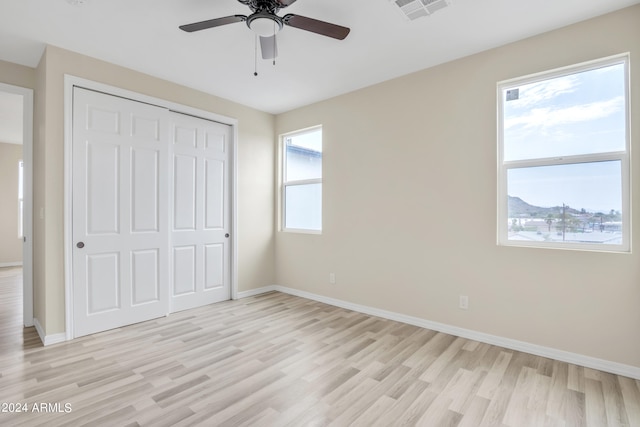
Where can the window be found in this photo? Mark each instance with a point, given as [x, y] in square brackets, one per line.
[302, 181]
[563, 157]
[20, 199]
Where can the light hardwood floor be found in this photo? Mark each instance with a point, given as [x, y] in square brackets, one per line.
[279, 360]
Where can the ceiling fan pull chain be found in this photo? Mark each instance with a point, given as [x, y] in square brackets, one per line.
[274, 43]
[255, 56]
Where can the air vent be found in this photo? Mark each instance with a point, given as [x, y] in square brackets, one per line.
[414, 9]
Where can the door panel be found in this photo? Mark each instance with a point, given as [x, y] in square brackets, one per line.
[184, 192]
[103, 188]
[120, 212]
[184, 270]
[214, 266]
[215, 142]
[145, 127]
[201, 212]
[145, 185]
[214, 187]
[145, 281]
[103, 282]
[185, 136]
[100, 119]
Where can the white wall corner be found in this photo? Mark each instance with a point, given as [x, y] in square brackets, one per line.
[537, 350]
[48, 339]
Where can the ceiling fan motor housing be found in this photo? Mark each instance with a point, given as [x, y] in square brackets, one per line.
[271, 6]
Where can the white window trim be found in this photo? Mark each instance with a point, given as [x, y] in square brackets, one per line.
[284, 183]
[622, 156]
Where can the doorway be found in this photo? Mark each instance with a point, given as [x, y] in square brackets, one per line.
[16, 144]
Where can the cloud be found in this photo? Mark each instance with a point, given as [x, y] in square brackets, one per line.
[536, 93]
[549, 117]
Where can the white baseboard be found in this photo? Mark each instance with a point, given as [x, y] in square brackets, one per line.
[538, 350]
[254, 292]
[48, 339]
[11, 264]
[39, 329]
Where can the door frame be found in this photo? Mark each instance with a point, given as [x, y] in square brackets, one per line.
[72, 81]
[27, 217]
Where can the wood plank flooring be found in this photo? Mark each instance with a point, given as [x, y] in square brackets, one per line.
[279, 360]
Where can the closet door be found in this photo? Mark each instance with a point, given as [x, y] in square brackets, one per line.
[120, 212]
[200, 218]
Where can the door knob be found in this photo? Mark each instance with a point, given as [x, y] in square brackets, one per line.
[80, 245]
[226, 235]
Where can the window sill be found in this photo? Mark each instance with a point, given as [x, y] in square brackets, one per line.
[301, 231]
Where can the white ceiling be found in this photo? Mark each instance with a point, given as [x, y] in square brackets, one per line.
[143, 35]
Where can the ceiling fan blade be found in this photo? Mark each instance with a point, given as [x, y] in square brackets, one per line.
[197, 26]
[285, 3]
[269, 47]
[316, 26]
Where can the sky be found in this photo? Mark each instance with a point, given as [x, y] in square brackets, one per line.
[310, 140]
[576, 114]
[595, 187]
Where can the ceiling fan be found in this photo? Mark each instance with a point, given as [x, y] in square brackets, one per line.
[265, 22]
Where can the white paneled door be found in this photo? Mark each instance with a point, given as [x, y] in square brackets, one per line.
[200, 212]
[120, 211]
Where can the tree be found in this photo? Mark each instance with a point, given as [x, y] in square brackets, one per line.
[549, 221]
[515, 226]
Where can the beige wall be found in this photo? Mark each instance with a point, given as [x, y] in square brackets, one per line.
[10, 243]
[39, 187]
[409, 213]
[254, 185]
[17, 75]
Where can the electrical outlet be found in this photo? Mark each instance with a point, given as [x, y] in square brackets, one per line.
[332, 278]
[464, 302]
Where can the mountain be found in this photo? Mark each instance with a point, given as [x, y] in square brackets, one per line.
[520, 208]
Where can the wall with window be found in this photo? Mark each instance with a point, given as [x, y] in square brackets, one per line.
[10, 242]
[563, 158]
[410, 203]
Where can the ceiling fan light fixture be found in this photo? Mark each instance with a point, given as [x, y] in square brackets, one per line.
[264, 25]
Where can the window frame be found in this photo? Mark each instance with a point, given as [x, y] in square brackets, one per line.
[284, 183]
[623, 156]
